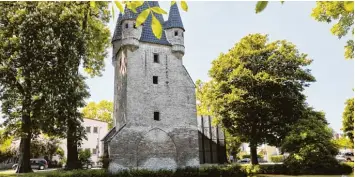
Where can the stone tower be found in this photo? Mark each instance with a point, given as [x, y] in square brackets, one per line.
[154, 96]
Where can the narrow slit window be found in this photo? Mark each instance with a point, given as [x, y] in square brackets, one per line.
[156, 116]
[155, 79]
[156, 58]
[134, 25]
[126, 25]
[176, 33]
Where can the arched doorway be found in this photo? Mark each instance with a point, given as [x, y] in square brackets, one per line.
[156, 150]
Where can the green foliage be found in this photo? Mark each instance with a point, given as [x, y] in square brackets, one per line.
[310, 145]
[224, 171]
[348, 120]
[281, 169]
[248, 156]
[260, 6]
[102, 110]
[232, 144]
[46, 147]
[277, 158]
[343, 142]
[340, 12]
[256, 89]
[41, 89]
[84, 155]
[329, 11]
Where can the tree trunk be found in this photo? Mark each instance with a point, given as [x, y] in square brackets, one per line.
[253, 155]
[24, 165]
[72, 147]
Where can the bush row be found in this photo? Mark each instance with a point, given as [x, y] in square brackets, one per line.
[214, 171]
[225, 171]
[277, 158]
[341, 169]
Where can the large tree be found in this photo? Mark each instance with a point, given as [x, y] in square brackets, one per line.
[256, 90]
[102, 110]
[348, 119]
[45, 43]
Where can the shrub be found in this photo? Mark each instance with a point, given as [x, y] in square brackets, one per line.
[248, 156]
[214, 171]
[277, 158]
[339, 169]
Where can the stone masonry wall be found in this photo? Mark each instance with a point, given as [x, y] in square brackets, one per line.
[171, 142]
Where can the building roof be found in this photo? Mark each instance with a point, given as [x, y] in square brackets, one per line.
[96, 120]
[174, 20]
[147, 33]
[117, 35]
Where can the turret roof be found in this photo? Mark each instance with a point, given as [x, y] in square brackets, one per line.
[174, 20]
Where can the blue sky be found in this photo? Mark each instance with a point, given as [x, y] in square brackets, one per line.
[214, 27]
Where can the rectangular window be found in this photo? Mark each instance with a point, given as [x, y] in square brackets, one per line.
[88, 129]
[156, 116]
[155, 79]
[94, 151]
[95, 129]
[156, 58]
[176, 33]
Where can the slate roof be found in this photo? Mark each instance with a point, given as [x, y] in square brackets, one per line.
[147, 33]
[117, 35]
[174, 20]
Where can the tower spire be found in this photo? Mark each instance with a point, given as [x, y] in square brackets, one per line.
[174, 20]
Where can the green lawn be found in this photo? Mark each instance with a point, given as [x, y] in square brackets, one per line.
[11, 173]
[352, 175]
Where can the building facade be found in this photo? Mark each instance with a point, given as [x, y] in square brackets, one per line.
[95, 132]
[154, 96]
[212, 142]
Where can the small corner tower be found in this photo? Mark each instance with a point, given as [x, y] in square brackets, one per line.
[175, 31]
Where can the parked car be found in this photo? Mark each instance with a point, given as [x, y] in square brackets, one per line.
[245, 160]
[349, 156]
[39, 164]
[87, 165]
[340, 158]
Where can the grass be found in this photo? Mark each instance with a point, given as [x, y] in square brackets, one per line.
[12, 173]
[352, 175]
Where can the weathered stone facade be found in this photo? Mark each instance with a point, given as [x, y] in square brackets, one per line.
[139, 141]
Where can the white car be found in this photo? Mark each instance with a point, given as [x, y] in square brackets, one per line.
[340, 158]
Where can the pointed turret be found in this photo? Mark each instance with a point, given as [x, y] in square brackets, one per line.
[174, 20]
[175, 31]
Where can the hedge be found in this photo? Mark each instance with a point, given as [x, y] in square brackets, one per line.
[248, 156]
[225, 171]
[341, 169]
[277, 158]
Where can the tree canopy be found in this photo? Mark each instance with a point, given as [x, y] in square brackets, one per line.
[348, 119]
[40, 86]
[102, 110]
[256, 89]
